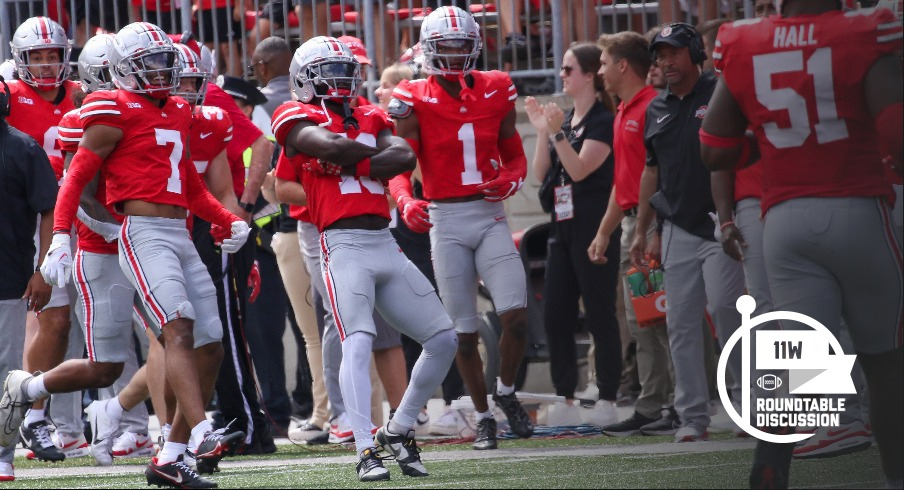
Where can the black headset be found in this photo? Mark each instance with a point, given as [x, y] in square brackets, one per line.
[4, 98]
[693, 37]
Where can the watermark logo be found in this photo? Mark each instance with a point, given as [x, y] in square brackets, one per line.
[811, 370]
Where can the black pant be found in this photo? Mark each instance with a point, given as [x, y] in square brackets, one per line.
[236, 390]
[571, 276]
[266, 326]
[416, 247]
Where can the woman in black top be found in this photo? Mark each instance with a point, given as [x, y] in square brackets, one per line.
[575, 151]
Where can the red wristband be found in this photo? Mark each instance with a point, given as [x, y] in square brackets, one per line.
[725, 225]
[362, 168]
[720, 141]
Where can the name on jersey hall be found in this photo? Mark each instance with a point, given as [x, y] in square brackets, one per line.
[794, 36]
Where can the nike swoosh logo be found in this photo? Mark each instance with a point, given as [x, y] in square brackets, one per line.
[660, 119]
[369, 112]
[180, 105]
[204, 135]
[500, 218]
[170, 478]
[489, 94]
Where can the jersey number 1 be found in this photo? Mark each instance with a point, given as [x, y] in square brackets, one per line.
[828, 128]
[471, 175]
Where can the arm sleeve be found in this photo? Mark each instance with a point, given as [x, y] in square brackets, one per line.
[84, 166]
[400, 186]
[202, 203]
[512, 152]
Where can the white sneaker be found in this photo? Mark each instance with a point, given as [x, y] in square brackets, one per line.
[102, 429]
[13, 406]
[7, 472]
[450, 423]
[592, 392]
[309, 432]
[340, 430]
[601, 414]
[690, 433]
[563, 414]
[828, 442]
[422, 424]
[133, 445]
[72, 447]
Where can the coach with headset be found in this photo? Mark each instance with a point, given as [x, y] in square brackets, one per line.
[676, 185]
[28, 188]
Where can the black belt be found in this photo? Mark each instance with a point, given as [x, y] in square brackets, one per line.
[631, 212]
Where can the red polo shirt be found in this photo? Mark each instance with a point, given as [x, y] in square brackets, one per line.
[630, 152]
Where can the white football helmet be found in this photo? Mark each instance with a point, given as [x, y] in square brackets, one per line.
[38, 33]
[191, 70]
[94, 63]
[144, 60]
[324, 67]
[450, 40]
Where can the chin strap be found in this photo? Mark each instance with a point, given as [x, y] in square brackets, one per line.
[466, 93]
[349, 120]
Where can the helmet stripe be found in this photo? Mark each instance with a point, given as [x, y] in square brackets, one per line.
[45, 28]
[453, 18]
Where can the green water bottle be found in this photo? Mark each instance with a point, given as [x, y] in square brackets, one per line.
[637, 280]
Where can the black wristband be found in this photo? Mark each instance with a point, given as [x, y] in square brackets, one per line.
[247, 206]
[560, 136]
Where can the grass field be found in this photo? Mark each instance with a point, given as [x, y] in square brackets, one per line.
[588, 462]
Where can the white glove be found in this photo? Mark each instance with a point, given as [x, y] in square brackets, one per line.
[58, 261]
[109, 231]
[717, 233]
[240, 231]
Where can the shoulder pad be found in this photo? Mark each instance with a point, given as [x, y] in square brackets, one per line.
[399, 109]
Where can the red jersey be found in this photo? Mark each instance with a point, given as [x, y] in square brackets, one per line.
[749, 182]
[69, 139]
[245, 133]
[458, 139]
[39, 119]
[333, 197]
[296, 212]
[629, 148]
[211, 131]
[824, 145]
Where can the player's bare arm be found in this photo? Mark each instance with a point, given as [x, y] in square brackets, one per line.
[645, 213]
[37, 292]
[219, 181]
[408, 128]
[726, 125]
[290, 192]
[395, 157]
[310, 139]
[722, 186]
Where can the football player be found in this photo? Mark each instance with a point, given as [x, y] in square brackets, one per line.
[822, 91]
[141, 121]
[39, 98]
[461, 123]
[341, 155]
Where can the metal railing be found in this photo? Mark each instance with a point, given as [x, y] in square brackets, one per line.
[524, 37]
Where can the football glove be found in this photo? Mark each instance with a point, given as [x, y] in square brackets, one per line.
[414, 214]
[58, 262]
[504, 186]
[239, 235]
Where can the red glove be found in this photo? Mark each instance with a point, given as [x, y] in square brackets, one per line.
[219, 233]
[322, 167]
[504, 186]
[254, 283]
[414, 213]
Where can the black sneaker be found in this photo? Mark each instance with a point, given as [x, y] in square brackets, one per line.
[519, 422]
[175, 475]
[370, 468]
[628, 427]
[214, 447]
[404, 450]
[486, 434]
[36, 437]
[668, 425]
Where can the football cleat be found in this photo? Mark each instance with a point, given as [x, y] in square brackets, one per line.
[403, 449]
[370, 468]
[13, 406]
[518, 419]
[175, 475]
[132, 445]
[36, 437]
[72, 447]
[102, 429]
[486, 434]
[214, 447]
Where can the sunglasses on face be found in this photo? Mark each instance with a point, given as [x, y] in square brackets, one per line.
[567, 70]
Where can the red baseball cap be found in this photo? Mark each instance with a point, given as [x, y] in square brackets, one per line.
[357, 47]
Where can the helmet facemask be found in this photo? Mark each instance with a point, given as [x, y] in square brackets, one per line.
[334, 79]
[451, 56]
[199, 81]
[156, 72]
[27, 68]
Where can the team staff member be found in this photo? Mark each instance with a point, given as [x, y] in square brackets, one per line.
[30, 191]
[697, 272]
[625, 65]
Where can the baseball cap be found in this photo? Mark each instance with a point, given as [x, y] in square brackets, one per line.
[241, 89]
[679, 35]
[357, 47]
